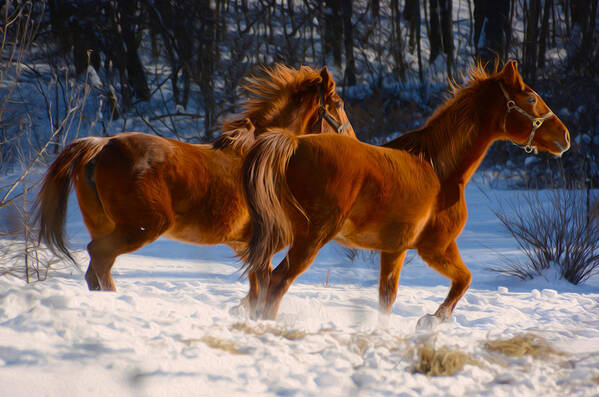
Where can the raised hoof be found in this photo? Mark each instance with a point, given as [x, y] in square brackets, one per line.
[428, 322]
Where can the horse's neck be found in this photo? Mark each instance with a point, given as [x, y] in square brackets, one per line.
[454, 141]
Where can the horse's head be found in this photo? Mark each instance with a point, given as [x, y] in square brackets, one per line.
[302, 101]
[528, 121]
[329, 113]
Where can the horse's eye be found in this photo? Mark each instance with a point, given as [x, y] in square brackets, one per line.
[532, 99]
[339, 105]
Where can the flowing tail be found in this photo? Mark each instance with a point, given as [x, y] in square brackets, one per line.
[265, 188]
[51, 201]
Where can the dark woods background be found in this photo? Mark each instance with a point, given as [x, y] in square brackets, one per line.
[175, 67]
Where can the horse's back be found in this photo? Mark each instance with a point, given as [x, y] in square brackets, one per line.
[339, 160]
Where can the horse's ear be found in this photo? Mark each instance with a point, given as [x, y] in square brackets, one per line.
[328, 84]
[248, 125]
[511, 77]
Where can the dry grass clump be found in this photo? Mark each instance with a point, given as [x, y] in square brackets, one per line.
[521, 345]
[219, 343]
[440, 362]
[262, 329]
[360, 342]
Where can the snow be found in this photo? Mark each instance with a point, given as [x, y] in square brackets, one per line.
[174, 328]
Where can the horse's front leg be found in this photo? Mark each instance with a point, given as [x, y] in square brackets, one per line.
[391, 264]
[449, 263]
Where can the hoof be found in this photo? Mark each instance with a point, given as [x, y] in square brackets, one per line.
[383, 319]
[242, 309]
[428, 322]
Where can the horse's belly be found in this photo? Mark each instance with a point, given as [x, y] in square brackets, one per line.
[194, 236]
[216, 231]
[352, 238]
[388, 235]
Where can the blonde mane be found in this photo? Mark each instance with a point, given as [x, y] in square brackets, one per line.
[267, 95]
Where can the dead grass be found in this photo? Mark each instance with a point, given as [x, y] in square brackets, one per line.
[219, 343]
[360, 342]
[262, 329]
[441, 362]
[523, 345]
[326, 281]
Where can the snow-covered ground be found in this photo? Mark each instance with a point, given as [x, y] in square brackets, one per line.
[173, 329]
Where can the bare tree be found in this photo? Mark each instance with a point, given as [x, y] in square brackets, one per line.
[24, 149]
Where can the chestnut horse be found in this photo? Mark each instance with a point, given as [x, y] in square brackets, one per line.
[134, 187]
[408, 194]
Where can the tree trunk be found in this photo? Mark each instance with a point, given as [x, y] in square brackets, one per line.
[447, 34]
[544, 33]
[135, 70]
[583, 16]
[492, 30]
[350, 66]
[375, 8]
[531, 37]
[333, 30]
[397, 45]
[434, 33]
[207, 42]
[412, 15]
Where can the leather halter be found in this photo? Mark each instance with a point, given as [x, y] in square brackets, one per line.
[536, 121]
[323, 113]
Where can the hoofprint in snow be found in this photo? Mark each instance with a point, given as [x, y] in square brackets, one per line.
[173, 327]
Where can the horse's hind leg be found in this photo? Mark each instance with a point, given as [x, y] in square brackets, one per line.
[104, 250]
[299, 258]
[448, 263]
[91, 277]
[96, 220]
[257, 295]
[391, 264]
[102, 256]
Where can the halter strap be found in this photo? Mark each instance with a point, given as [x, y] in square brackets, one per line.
[536, 121]
[322, 113]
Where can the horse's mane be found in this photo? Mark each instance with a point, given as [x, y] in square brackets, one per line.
[267, 96]
[451, 128]
[239, 135]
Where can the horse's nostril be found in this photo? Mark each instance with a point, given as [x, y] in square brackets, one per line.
[567, 133]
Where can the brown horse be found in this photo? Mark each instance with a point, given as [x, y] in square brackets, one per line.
[134, 187]
[408, 194]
